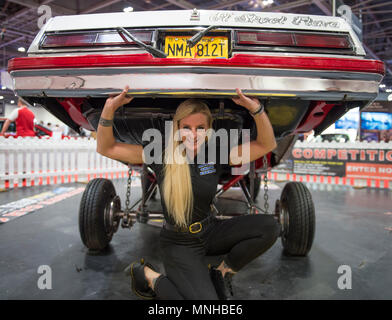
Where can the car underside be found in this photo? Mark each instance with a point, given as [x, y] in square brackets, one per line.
[308, 70]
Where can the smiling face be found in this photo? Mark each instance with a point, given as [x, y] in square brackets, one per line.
[193, 130]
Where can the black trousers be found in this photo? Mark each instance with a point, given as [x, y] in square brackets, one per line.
[241, 239]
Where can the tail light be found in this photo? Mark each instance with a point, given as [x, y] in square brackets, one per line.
[322, 41]
[293, 39]
[92, 39]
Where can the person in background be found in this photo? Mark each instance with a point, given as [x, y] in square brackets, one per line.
[24, 120]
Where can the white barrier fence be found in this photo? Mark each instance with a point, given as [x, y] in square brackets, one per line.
[33, 161]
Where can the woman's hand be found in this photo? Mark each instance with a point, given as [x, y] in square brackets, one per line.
[115, 102]
[252, 104]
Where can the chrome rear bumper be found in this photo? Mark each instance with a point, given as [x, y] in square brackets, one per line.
[201, 81]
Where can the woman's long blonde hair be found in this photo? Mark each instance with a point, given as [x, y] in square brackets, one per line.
[177, 186]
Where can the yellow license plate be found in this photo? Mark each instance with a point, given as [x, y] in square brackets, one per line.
[206, 48]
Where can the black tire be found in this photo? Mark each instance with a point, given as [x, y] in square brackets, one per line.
[257, 184]
[97, 196]
[298, 230]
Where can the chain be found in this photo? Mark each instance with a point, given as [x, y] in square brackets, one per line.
[265, 165]
[128, 194]
[126, 220]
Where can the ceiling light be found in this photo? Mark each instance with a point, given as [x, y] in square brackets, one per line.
[382, 85]
[390, 97]
[12, 101]
[388, 90]
[265, 3]
[22, 49]
[3, 87]
[1, 97]
[128, 9]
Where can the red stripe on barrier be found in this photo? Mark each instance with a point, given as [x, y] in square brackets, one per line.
[386, 183]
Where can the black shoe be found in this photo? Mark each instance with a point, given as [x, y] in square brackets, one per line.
[139, 282]
[222, 285]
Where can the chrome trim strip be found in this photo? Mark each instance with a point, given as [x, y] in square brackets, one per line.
[365, 76]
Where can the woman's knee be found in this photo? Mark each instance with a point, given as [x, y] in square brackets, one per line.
[265, 226]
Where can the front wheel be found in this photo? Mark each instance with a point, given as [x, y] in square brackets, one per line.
[98, 214]
[297, 218]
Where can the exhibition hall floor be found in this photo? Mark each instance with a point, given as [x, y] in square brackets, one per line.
[353, 230]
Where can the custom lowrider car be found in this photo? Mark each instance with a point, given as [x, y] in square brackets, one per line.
[308, 70]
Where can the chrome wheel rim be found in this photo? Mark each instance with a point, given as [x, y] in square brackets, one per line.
[111, 216]
[284, 220]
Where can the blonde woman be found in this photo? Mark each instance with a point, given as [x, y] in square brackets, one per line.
[190, 231]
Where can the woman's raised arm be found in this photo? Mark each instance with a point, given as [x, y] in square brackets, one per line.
[265, 141]
[106, 144]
